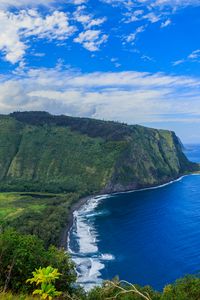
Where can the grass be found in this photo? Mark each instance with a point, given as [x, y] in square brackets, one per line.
[10, 296]
[12, 205]
[43, 214]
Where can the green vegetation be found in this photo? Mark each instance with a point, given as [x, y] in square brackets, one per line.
[54, 159]
[187, 288]
[44, 215]
[45, 277]
[22, 254]
[49, 162]
[44, 153]
[11, 296]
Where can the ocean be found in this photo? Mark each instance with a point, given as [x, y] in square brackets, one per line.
[149, 237]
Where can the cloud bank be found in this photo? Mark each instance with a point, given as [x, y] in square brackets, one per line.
[133, 97]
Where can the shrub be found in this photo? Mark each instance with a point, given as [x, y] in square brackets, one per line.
[21, 254]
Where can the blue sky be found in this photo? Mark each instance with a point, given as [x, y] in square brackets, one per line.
[135, 61]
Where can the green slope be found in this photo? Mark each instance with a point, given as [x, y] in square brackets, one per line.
[45, 215]
[40, 152]
[73, 157]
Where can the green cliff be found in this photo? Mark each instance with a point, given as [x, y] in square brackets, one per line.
[49, 162]
[60, 154]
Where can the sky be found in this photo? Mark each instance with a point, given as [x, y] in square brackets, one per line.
[134, 61]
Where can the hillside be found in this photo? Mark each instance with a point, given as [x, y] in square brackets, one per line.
[49, 162]
[45, 153]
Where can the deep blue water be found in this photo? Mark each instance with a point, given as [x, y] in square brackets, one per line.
[146, 237]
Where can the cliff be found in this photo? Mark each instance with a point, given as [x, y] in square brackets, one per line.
[41, 152]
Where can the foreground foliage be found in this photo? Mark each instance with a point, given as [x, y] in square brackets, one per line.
[45, 278]
[11, 296]
[187, 288]
[21, 254]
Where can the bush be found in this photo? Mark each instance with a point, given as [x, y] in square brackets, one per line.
[187, 288]
[22, 254]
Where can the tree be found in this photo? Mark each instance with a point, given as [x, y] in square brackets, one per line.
[183, 289]
[21, 254]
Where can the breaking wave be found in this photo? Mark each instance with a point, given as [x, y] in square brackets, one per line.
[83, 244]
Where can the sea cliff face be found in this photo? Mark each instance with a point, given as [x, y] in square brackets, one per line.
[41, 152]
[151, 157]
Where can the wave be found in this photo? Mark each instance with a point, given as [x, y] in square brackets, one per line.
[82, 244]
[83, 239]
[98, 214]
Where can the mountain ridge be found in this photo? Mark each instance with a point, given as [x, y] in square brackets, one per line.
[47, 153]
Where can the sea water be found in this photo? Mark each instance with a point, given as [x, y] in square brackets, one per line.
[149, 237]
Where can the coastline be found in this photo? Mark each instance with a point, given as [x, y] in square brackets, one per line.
[75, 206]
[80, 202]
[88, 258]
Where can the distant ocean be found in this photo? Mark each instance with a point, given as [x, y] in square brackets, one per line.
[149, 237]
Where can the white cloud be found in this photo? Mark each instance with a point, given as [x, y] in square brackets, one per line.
[195, 55]
[91, 39]
[154, 3]
[178, 62]
[20, 3]
[147, 58]
[152, 17]
[79, 2]
[5, 4]
[19, 27]
[87, 20]
[139, 15]
[134, 16]
[192, 57]
[133, 97]
[166, 23]
[16, 28]
[151, 11]
[173, 3]
[132, 37]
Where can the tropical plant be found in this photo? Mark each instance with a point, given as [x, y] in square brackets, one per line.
[45, 277]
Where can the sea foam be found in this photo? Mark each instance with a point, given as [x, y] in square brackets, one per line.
[83, 240]
[83, 244]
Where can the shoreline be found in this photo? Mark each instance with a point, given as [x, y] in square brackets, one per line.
[80, 202]
[75, 206]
